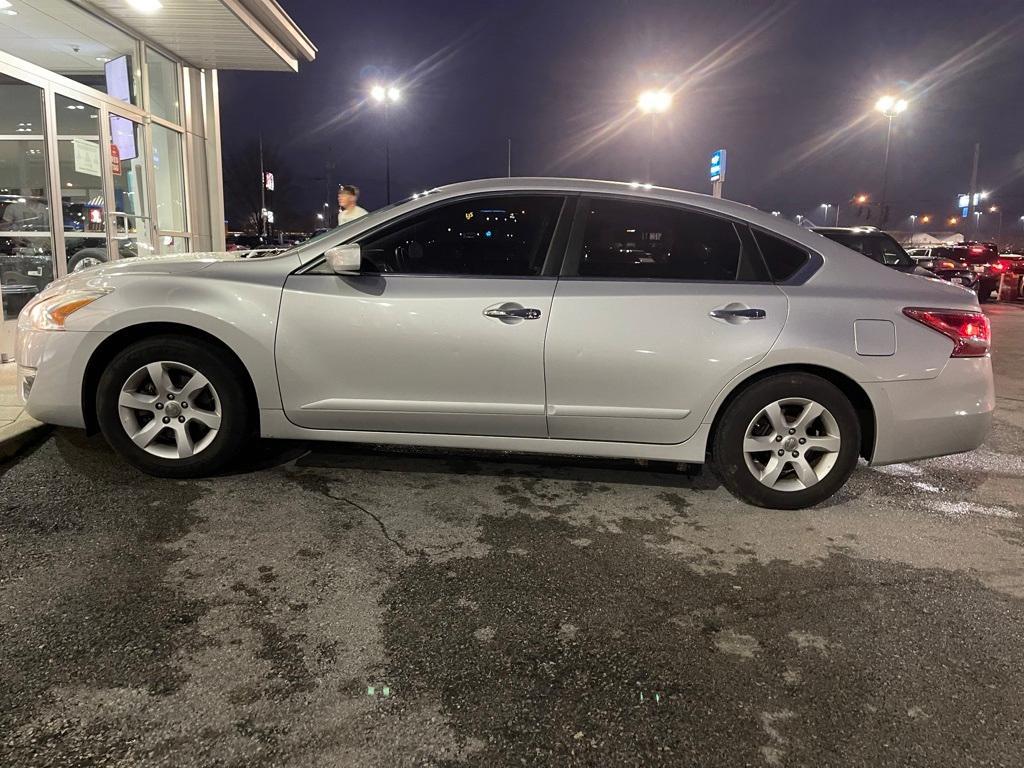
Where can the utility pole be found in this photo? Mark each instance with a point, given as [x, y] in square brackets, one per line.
[263, 191]
[509, 140]
[974, 177]
[882, 211]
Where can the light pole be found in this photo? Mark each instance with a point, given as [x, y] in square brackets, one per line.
[977, 223]
[913, 225]
[826, 206]
[386, 95]
[653, 103]
[889, 106]
[999, 230]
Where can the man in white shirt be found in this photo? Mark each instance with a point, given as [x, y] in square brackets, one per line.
[348, 210]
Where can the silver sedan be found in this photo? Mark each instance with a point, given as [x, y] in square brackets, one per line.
[533, 315]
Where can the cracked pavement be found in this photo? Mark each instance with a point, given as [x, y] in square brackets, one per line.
[353, 606]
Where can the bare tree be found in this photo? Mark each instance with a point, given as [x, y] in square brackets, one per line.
[242, 188]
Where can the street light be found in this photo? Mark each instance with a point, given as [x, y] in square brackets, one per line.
[826, 206]
[913, 224]
[890, 106]
[653, 103]
[999, 229]
[952, 221]
[386, 95]
[861, 199]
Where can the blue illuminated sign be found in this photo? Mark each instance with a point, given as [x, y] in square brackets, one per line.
[716, 169]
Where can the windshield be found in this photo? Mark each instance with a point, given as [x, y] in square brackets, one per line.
[329, 233]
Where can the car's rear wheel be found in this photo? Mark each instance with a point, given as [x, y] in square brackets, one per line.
[173, 407]
[787, 442]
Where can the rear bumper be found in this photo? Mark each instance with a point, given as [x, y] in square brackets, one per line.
[951, 413]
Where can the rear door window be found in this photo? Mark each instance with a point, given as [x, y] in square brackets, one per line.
[637, 240]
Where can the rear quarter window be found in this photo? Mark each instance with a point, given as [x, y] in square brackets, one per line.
[783, 259]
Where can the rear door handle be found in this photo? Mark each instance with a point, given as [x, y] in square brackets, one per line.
[508, 312]
[745, 312]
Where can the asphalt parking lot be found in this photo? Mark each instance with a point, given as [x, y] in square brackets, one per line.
[343, 606]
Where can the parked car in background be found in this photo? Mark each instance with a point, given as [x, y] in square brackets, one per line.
[876, 245]
[987, 263]
[249, 244]
[534, 315]
[939, 260]
[1016, 270]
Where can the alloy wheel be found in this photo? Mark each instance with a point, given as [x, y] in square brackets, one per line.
[86, 263]
[169, 410]
[792, 444]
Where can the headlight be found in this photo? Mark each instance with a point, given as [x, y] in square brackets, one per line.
[49, 312]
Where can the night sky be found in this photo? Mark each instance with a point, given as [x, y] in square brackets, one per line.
[787, 88]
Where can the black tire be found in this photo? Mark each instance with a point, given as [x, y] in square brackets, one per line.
[97, 254]
[237, 421]
[727, 451]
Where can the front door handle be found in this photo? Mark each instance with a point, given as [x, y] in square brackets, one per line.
[746, 313]
[512, 312]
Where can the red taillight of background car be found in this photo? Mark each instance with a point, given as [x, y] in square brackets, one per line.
[970, 331]
[998, 267]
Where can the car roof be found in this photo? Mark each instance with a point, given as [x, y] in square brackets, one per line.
[633, 190]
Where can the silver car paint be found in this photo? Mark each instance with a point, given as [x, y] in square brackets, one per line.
[630, 413]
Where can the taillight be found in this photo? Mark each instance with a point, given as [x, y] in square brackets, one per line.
[947, 265]
[970, 331]
[999, 266]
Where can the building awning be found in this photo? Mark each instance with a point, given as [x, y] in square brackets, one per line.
[219, 34]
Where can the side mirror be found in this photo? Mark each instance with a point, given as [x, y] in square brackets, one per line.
[344, 259]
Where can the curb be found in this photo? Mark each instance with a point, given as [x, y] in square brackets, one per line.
[22, 433]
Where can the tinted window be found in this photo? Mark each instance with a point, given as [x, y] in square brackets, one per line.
[783, 258]
[481, 236]
[639, 240]
[877, 246]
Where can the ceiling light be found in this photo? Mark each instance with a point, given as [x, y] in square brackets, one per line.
[104, 59]
[146, 6]
[9, 12]
[5, 3]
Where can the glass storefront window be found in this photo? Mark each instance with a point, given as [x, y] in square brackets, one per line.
[26, 248]
[132, 227]
[163, 86]
[81, 183]
[169, 178]
[60, 36]
[174, 244]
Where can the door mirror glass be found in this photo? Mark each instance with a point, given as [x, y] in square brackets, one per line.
[344, 259]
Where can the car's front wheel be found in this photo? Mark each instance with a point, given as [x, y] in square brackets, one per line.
[787, 442]
[173, 407]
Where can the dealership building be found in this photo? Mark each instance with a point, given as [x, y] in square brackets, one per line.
[110, 141]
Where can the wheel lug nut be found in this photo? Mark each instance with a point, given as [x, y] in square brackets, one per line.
[792, 431]
[171, 397]
[181, 419]
[803, 440]
[184, 404]
[167, 420]
[796, 454]
[781, 452]
[778, 438]
[159, 406]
